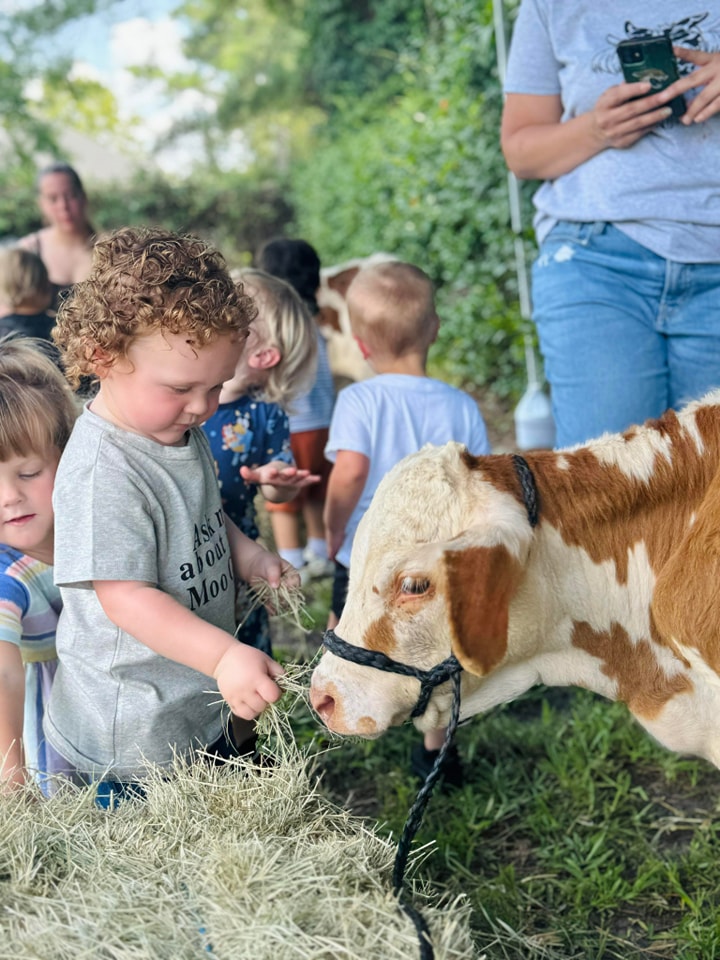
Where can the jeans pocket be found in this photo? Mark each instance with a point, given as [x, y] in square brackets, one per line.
[569, 231]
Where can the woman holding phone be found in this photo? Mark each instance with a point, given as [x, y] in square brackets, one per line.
[626, 286]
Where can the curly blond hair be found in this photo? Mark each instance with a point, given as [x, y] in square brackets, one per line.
[144, 281]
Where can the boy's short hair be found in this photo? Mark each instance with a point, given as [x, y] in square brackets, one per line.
[37, 406]
[143, 281]
[23, 279]
[295, 261]
[392, 307]
[284, 322]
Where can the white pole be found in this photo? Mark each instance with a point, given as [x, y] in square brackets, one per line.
[534, 424]
[513, 188]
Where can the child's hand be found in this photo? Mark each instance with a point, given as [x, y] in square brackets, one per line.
[274, 476]
[245, 680]
[267, 566]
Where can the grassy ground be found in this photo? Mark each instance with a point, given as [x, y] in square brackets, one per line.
[574, 837]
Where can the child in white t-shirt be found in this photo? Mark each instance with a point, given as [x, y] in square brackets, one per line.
[377, 422]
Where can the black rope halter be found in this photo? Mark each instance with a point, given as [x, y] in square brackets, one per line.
[528, 487]
[448, 669]
[429, 679]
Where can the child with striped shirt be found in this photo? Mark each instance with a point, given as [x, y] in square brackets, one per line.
[37, 412]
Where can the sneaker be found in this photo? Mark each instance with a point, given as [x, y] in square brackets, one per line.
[451, 772]
[315, 568]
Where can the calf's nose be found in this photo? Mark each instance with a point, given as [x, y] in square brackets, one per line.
[323, 704]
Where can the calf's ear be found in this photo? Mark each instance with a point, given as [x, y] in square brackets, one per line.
[686, 599]
[480, 582]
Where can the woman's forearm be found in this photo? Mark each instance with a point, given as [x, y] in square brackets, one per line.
[546, 151]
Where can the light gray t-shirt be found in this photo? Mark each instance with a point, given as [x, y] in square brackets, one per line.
[664, 190]
[392, 415]
[127, 508]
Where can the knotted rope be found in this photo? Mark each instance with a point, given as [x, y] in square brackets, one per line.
[449, 669]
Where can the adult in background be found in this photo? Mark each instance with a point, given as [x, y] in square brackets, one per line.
[297, 262]
[65, 244]
[626, 287]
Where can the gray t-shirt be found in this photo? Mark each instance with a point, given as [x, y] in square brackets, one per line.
[127, 508]
[664, 190]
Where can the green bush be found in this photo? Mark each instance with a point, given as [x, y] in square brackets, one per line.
[419, 174]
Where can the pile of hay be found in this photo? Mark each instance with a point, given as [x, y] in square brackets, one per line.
[239, 862]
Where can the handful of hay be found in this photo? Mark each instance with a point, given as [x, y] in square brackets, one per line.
[284, 601]
[240, 861]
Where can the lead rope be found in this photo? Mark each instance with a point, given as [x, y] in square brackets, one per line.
[449, 669]
[412, 825]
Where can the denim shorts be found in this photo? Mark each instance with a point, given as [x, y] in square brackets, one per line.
[624, 333]
[341, 579]
[109, 793]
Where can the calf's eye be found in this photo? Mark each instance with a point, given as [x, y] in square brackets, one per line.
[410, 585]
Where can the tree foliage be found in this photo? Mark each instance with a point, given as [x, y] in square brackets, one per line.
[414, 168]
[370, 125]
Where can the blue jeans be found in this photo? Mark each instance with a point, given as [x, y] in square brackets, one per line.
[624, 333]
[109, 793]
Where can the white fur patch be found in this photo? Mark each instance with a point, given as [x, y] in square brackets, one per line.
[633, 455]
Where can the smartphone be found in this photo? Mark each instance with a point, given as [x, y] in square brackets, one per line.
[651, 59]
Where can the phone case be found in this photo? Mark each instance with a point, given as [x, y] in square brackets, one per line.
[651, 59]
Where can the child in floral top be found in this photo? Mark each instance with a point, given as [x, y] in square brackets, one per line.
[249, 433]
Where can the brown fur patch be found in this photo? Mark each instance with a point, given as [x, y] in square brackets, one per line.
[380, 635]
[641, 683]
[480, 582]
[686, 601]
[597, 507]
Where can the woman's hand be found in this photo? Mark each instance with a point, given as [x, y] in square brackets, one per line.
[707, 103]
[539, 145]
[623, 114]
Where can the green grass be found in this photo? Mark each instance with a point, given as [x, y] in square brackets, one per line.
[576, 836]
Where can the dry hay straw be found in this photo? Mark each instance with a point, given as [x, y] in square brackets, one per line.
[239, 861]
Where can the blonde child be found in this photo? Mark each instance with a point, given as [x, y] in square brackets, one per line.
[379, 421]
[37, 412]
[249, 433]
[25, 295]
[144, 555]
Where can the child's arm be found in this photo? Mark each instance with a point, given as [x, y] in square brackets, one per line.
[251, 561]
[12, 705]
[244, 675]
[345, 486]
[278, 480]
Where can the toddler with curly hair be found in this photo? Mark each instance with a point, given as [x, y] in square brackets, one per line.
[145, 556]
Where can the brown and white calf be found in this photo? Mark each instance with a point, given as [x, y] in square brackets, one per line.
[616, 589]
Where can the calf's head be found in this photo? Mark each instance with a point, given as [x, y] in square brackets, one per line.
[436, 562]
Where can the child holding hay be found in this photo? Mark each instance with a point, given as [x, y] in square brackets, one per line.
[379, 421]
[145, 557]
[249, 433]
[37, 412]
